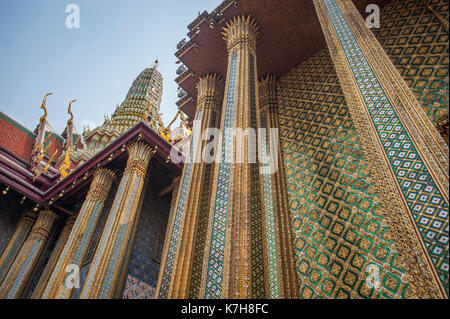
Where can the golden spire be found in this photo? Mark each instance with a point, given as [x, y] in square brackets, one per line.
[44, 117]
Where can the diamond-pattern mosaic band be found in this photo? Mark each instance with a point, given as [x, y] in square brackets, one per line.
[421, 189]
[215, 264]
[258, 271]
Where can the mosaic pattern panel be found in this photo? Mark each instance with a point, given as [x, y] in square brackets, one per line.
[214, 274]
[338, 232]
[417, 45]
[428, 206]
[142, 273]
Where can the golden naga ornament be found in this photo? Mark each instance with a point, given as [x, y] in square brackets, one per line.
[43, 106]
[70, 121]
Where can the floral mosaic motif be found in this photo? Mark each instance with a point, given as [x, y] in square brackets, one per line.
[425, 201]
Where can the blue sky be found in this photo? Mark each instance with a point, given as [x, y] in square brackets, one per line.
[94, 64]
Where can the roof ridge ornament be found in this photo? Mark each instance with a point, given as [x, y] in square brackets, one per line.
[43, 106]
[69, 111]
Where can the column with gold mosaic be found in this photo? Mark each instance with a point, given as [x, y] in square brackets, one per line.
[407, 157]
[21, 271]
[281, 279]
[50, 266]
[233, 262]
[109, 264]
[80, 236]
[210, 90]
[20, 235]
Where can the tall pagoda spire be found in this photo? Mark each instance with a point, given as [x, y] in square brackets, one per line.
[147, 87]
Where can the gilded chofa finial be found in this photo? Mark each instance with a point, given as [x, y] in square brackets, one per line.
[69, 111]
[43, 106]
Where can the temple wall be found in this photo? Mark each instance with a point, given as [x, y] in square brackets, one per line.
[142, 273]
[338, 230]
[417, 44]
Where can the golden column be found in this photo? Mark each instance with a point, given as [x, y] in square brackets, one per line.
[233, 246]
[80, 236]
[281, 275]
[12, 250]
[111, 257]
[407, 157]
[210, 92]
[21, 271]
[50, 266]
